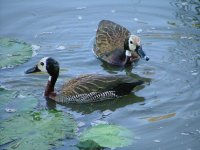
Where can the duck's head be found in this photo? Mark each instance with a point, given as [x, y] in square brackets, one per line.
[46, 64]
[134, 45]
[51, 66]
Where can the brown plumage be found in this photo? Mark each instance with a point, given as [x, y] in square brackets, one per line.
[85, 88]
[109, 37]
[111, 43]
[93, 83]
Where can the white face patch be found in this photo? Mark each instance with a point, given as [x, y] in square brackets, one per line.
[133, 41]
[42, 64]
[128, 53]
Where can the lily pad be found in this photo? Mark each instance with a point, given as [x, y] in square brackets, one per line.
[30, 128]
[13, 52]
[4, 96]
[110, 136]
[36, 130]
[15, 100]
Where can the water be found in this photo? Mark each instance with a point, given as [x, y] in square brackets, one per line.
[162, 115]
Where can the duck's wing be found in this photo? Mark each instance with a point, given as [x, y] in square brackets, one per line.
[96, 83]
[110, 37]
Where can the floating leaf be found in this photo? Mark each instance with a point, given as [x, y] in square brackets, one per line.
[37, 130]
[16, 101]
[30, 129]
[13, 52]
[110, 136]
[4, 96]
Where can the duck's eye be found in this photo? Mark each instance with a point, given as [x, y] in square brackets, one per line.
[131, 42]
[42, 64]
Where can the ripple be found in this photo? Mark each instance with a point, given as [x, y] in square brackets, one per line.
[169, 103]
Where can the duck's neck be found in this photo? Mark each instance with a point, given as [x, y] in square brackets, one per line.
[126, 44]
[126, 47]
[50, 86]
[125, 60]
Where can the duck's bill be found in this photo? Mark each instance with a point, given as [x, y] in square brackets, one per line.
[141, 53]
[32, 70]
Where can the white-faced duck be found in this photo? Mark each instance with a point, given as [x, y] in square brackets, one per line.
[115, 45]
[85, 88]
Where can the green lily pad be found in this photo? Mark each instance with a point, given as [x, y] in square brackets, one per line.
[110, 136]
[13, 52]
[36, 130]
[28, 128]
[15, 100]
[4, 96]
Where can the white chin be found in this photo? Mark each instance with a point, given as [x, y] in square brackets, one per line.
[128, 53]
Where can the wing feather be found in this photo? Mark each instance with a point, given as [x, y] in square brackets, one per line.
[93, 83]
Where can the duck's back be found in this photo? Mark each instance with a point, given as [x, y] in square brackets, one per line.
[91, 88]
[109, 42]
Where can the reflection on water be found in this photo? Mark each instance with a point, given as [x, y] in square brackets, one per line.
[115, 69]
[105, 105]
[170, 35]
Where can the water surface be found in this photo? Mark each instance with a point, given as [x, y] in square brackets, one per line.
[164, 114]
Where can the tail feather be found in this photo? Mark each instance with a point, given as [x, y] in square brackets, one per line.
[125, 88]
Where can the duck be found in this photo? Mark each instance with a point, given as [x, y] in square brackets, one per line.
[115, 44]
[84, 88]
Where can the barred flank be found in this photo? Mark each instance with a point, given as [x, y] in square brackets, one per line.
[86, 98]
